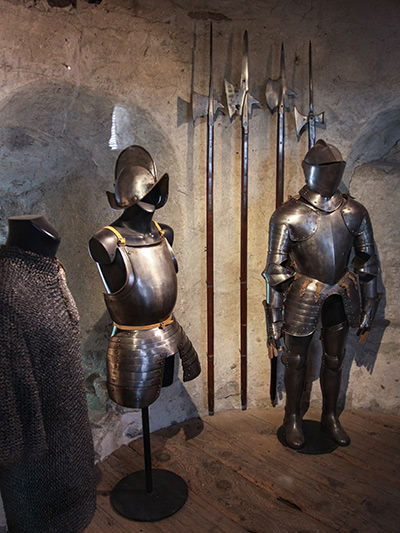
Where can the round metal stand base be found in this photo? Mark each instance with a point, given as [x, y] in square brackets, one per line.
[131, 500]
[316, 441]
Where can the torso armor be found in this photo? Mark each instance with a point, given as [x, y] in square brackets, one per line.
[149, 293]
[309, 247]
[145, 332]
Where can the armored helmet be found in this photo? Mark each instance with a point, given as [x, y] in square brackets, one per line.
[136, 178]
[323, 167]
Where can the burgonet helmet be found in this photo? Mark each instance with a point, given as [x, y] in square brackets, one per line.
[136, 178]
[323, 168]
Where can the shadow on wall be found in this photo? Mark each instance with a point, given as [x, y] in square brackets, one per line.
[376, 185]
[375, 141]
[56, 160]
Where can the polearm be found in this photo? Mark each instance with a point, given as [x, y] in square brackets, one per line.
[209, 106]
[277, 94]
[241, 103]
[310, 121]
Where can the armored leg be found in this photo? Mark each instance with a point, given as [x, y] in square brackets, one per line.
[333, 343]
[294, 360]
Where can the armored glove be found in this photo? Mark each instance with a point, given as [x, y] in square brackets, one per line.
[370, 305]
[273, 317]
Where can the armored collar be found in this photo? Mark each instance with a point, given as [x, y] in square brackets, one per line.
[321, 202]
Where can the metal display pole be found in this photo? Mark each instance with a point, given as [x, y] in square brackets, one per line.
[149, 495]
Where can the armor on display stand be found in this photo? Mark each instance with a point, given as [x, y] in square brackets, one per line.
[311, 239]
[138, 268]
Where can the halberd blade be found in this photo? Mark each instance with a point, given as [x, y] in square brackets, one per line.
[301, 122]
[273, 93]
[231, 98]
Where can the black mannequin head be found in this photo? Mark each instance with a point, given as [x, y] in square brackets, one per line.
[33, 233]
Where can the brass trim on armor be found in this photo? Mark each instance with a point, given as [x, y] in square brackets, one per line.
[342, 283]
[318, 290]
[304, 286]
[352, 276]
[120, 238]
[162, 232]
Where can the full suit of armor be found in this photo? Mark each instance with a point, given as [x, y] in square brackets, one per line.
[311, 238]
[138, 267]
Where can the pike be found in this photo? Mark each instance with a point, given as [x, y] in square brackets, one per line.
[277, 93]
[208, 106]
[241, 103]
[310, 121]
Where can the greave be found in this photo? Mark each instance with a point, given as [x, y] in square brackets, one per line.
[295, 368]
[333, 342]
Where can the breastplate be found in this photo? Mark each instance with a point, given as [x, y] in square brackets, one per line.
[325, 254]
[150, 290]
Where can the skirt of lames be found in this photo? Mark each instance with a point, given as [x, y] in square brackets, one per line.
[136, 359]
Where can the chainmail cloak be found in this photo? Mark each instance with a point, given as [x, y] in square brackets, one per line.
[46, 450]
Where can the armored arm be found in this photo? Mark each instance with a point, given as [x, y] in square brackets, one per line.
[278, 274]
[365, 264]
[103, 248]
[273, 315]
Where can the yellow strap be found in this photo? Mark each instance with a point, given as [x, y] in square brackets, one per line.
[117, 233]
[162, 232]
[161, 325]
[122, 239]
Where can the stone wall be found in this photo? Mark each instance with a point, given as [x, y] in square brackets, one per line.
[79, 84]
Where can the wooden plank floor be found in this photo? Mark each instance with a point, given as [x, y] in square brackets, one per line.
[241, 478]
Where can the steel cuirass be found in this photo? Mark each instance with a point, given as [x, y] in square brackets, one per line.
[149, 293]
[310, 247]
[146, 332]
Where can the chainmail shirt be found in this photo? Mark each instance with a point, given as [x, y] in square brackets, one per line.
[46, 450]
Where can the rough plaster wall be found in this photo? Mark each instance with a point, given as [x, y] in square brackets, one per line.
[64, 71]
[375, 378]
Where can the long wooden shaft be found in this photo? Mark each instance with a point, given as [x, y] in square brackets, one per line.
[280, 161]
[210, 266]
[280, 157]
[243, 270]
